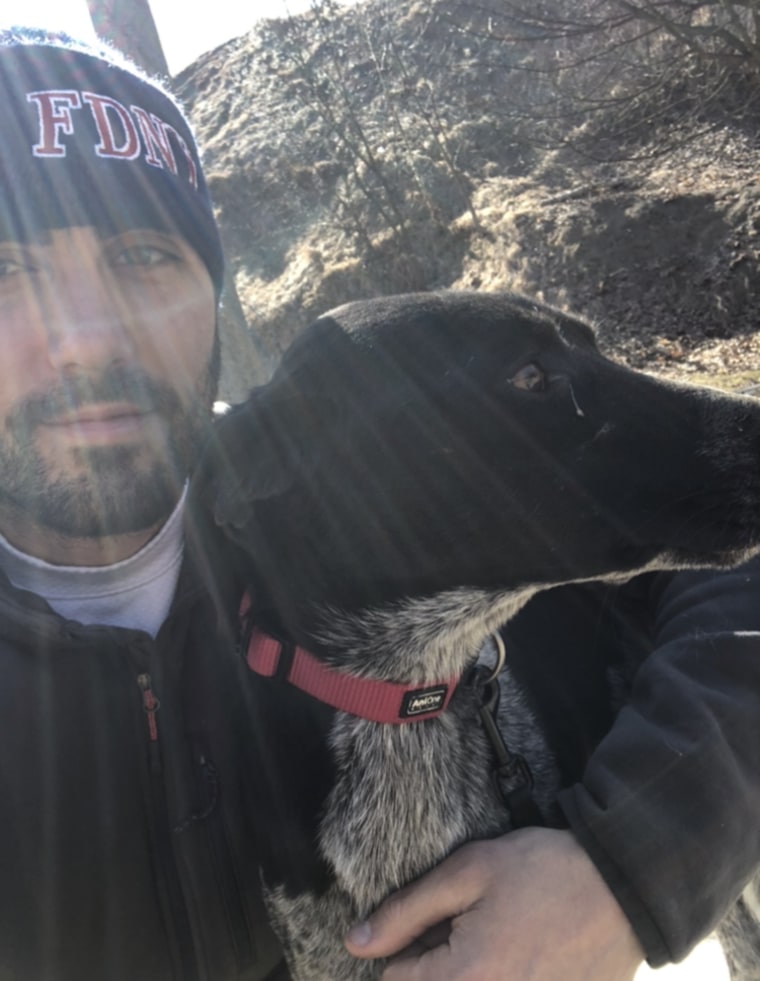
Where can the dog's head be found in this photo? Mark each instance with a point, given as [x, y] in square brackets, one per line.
[416, 443]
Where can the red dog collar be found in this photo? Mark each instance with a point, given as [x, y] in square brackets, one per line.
[378, 701]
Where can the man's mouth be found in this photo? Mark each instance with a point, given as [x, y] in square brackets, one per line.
[100, 423]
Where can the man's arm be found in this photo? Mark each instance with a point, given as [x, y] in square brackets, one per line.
[667, 808]
[666, 814]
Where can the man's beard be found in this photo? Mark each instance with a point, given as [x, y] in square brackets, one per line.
[118, 489]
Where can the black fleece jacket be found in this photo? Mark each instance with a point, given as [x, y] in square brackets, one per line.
[125, 850]
[665, 800]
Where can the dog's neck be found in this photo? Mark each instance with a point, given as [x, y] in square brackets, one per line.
[421, 640]
[415, 641]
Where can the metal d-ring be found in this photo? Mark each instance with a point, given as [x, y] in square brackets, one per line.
[501, 657]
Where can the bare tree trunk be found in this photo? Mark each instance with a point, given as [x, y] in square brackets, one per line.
[129, 26]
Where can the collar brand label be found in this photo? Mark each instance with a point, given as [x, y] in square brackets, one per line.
[421, 701]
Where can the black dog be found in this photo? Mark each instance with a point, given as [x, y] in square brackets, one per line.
[417, 469]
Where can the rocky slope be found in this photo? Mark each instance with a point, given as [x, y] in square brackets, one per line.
[376, 149]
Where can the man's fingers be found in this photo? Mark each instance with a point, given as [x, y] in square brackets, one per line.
[444, 892]
[420, 965]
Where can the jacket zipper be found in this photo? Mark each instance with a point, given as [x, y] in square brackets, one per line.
[151, 705]
[166, 865]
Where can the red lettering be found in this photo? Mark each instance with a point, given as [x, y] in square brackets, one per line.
[192, 170]
[119, 130]
[54, 112]
[105, 110]
[156, 133]
[155, 138]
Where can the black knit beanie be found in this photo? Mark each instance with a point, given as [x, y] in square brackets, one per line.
[87, 139]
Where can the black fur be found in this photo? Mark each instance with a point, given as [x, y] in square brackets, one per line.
[417, 469]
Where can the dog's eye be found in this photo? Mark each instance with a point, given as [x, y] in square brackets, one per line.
[530, 378]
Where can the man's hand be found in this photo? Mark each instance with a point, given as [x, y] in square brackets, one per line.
[526, 907]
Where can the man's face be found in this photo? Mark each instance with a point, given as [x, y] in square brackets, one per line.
[105, 386]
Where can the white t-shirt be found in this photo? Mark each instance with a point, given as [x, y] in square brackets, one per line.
[136, 592]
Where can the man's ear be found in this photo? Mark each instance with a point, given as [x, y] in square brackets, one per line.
[257, 451]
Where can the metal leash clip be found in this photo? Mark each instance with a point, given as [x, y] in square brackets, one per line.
[512, 778]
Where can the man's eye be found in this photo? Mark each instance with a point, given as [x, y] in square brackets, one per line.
[143, 255]
[12, 267]
[530, 378]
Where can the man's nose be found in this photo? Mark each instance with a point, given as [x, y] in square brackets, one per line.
[86, 321]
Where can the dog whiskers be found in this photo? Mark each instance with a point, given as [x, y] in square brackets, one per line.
[578, 410]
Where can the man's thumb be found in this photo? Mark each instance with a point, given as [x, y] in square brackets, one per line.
[406, 915]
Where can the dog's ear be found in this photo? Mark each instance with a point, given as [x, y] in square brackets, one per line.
[256, 452]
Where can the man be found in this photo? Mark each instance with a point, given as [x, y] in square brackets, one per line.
[126, 792]
[124, 845]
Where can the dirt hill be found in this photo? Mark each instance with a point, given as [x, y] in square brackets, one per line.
[378, 148]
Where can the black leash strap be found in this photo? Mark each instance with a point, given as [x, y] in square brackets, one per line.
[511, 774]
